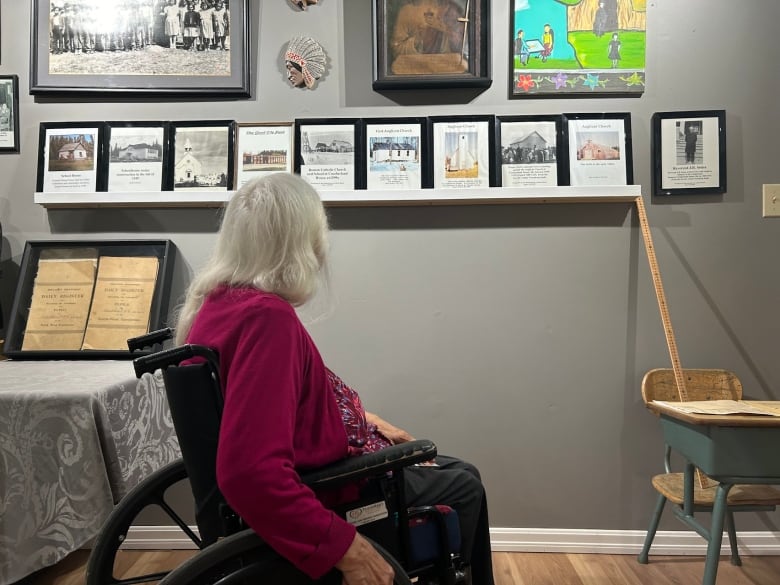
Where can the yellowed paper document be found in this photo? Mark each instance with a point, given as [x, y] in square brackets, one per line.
[61, 296]
[722, 407]
[122, 301]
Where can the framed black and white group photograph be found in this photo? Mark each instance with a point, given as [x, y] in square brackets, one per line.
[689, 152]
[327, 151]
[599, 149]
[141, 46]
[395, 153]
[135, 156]
[528, 151]
[201, 156]
[261, 149]
[9, 113]
[69, 156]
[462, 151]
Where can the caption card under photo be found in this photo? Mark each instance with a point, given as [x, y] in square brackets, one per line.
[393, 155]
[461, 155]
[328, 155]
[136, 158]
[262, 150]
[529, 154]
[70, 160]
[597, 152]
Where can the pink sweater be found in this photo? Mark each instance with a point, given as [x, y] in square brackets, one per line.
[280, 415]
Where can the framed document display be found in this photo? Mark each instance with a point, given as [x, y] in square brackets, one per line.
[84, 299]
[599, 149]
[689, 152]
[528, 151]
[462, 151]
[69, 156]
[396, 151]
[135, 156]
[327, 152]
[9, 113]
[201, 155]
[261, 149]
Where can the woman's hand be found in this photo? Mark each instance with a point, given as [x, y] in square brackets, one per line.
[390, 432]
[362, 565]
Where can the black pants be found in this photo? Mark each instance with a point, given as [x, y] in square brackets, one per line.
[457, 484]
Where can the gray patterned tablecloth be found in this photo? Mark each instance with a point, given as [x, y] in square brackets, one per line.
[74, 438]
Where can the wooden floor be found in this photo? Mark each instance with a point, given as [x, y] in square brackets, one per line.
[509, 568]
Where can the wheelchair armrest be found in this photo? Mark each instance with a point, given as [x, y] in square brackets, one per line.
[172, 357]
[355, 468]
[149, 339]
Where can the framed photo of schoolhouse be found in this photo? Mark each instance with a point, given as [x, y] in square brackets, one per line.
[201, 155]
[9, 113]
[86, 47]
[328, 153]
[69, 157]
[528, 151]
[463, 148]
[135, 155]
[430, 44]
[689, 152]
[599, 149]
[84, 299]
[396, 153]
[261, 149]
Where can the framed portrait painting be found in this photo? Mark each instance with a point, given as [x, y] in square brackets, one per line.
[87, 47]
[689, 152]
[69, 157]
[463, 149]
[201, 155]
[9, 113]
[327, 152]
[429, 44]
[135, 154]
[528, 151]
[261, 149]
[599, 149]
[396, 153]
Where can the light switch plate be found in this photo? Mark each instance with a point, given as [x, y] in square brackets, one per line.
[771, 200]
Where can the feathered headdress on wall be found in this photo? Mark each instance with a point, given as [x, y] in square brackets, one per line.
[309, 56]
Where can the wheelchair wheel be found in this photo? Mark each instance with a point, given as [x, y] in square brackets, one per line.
[150, 492]
[244, 559]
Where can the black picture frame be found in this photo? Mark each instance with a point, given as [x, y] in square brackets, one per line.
[59, 67]
[195, 143]
[323, 156]
[34, 251]
[135, 156]
[9, 114]
[405, 59]
[689, 152]
[396, 152]
[474, 170]
[524, 157]
[599, 148]
[76, 166]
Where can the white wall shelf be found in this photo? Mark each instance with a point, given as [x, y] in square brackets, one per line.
[483, 196]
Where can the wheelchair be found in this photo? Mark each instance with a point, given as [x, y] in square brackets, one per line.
[420, 543]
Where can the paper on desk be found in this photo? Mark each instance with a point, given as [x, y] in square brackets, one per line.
[720, 407]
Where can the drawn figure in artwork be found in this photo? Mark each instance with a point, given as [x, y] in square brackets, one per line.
[614, 50]
[600, 21]
[172, 22]
[521, 48]
[548, 41]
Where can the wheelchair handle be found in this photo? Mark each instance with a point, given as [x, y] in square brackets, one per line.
[149, 339]
[172, 357]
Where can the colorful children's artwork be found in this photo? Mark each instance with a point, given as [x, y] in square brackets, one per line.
[578, 47]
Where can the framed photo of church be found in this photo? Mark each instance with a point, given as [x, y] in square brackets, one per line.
[328, 153]
[598, 149]
[201, 155]
[135, 155]
[462, 151]
[9, 113]
[431, 44]
[528, 151]
[69, 157]
[396, 151]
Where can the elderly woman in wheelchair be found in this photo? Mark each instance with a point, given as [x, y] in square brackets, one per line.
[285, 415]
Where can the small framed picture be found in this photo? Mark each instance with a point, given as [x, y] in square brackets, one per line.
[9, 113]
[201, 155]
[527, 150]
[689, 152]
[327, 151]
[599, 149]
[463, 148]
[431, 44]
[135, 155]
[396, 151]
[69, 156]
[262, 149]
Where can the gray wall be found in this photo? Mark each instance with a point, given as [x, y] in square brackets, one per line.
[514, 336]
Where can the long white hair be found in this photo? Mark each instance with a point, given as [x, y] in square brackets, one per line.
[273, 237]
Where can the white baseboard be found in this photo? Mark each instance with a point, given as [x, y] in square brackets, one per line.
[668, 542]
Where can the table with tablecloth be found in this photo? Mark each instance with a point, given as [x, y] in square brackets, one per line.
[75, 436]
